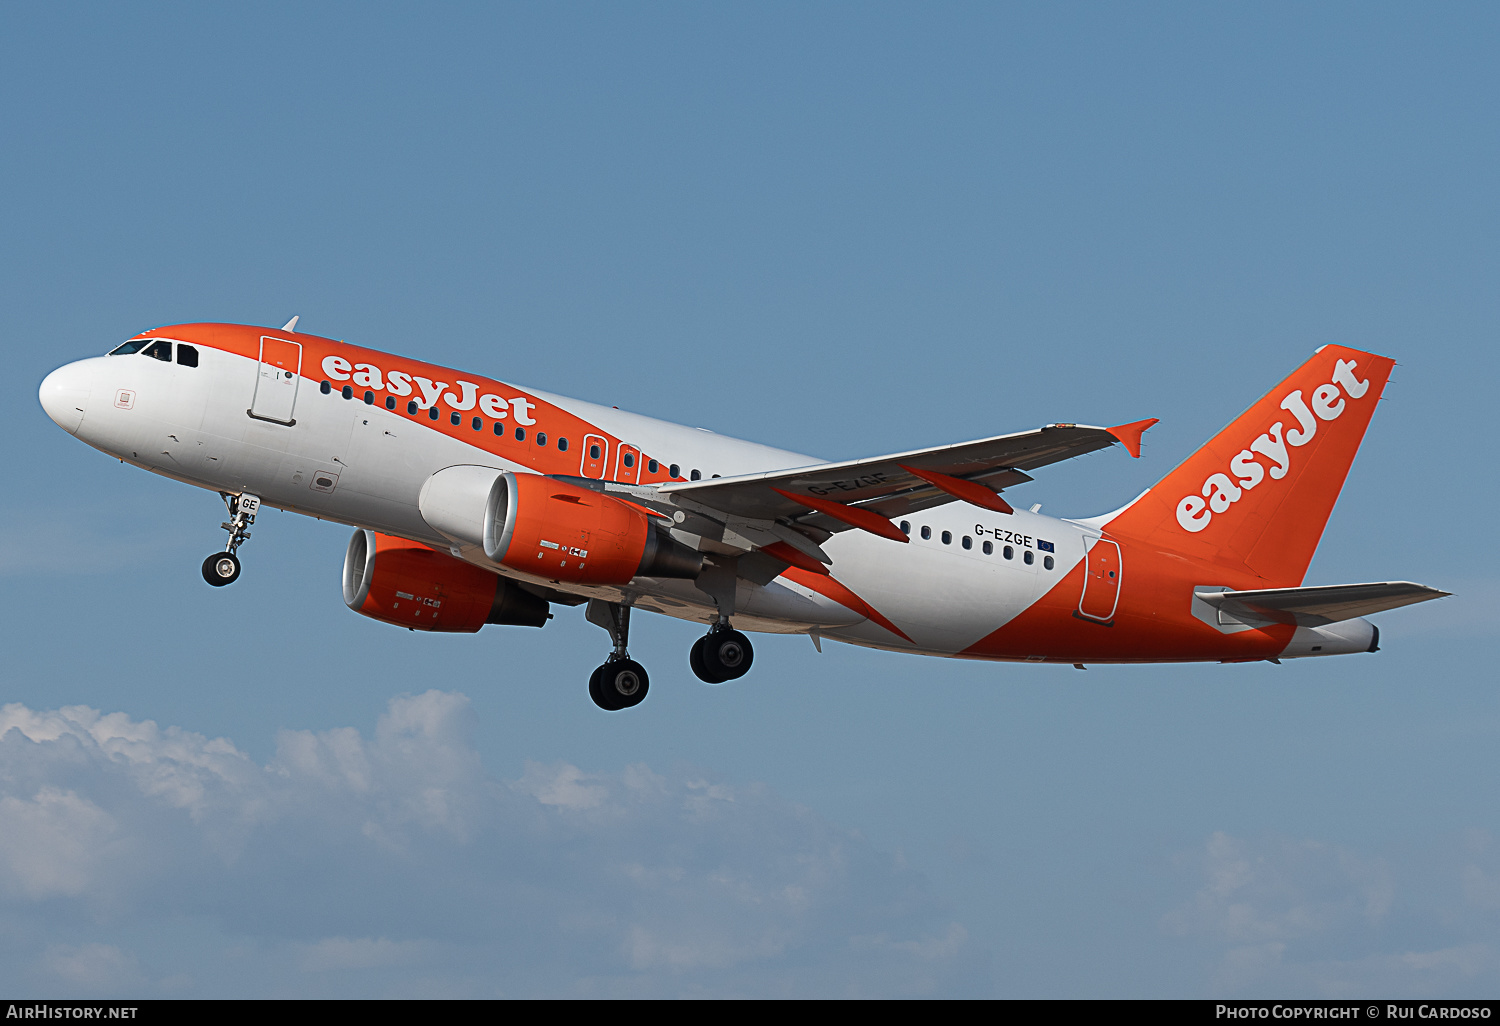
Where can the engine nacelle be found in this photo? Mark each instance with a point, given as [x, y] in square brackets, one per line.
[411, 585]
[546, 527]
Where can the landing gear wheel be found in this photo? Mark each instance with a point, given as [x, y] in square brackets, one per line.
[728, 654]
[695, 660]
[720, 655]
[221, 568]
[618, 684]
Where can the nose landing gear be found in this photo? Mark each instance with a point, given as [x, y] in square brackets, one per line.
[223, 568]
[621, 682]
[723, 654]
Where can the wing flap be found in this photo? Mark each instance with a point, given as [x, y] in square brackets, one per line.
[1315, 607]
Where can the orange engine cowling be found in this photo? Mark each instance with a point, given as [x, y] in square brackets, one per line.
[411, 585]
[562, 532]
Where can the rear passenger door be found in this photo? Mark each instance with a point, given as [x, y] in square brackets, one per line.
[1101, 581]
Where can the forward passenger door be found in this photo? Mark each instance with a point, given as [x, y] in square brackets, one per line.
[276, 379]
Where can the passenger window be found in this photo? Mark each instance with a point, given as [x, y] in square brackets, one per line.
[432, 413]
[478, 423]
[390, 402]
[696, 476]
[1047, 562]
[629, 459]
[520, 434]
[674, 471]
[347, 391]
[127, 348]
[926, 533]
[411, 408]
[947, 537]
[562, 445]
[369, 398]
[541, 438]
[1030, 557]
[499, 429]
[906, 528]
[161, 349]
[989, 548]
[325, 388]
[593, 452]
[968, 542]
[187, 356]
[1008, 552]
[455, 419]
[652, 466]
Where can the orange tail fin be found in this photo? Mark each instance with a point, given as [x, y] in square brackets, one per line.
[1259, 493]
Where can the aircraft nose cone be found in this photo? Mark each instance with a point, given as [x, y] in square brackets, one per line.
[64, 395]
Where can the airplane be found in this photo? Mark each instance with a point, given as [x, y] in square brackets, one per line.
[477, 502]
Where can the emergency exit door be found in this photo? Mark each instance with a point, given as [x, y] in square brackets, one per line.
[628, 464]
[595, 456]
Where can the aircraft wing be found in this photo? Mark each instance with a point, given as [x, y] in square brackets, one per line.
[890, 486]
[1314, 607]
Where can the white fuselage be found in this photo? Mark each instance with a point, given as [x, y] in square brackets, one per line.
[191, 424]
[353, 435]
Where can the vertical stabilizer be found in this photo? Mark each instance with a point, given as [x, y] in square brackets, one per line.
[1260, 492]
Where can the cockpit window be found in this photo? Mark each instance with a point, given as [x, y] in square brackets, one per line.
[161, 349]
[125, 349]
[187, 355]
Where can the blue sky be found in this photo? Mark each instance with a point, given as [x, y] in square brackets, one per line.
[840, 229]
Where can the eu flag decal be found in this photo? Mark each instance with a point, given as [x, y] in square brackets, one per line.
[1045, 546]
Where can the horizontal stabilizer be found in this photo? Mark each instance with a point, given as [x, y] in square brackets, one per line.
[1315, 607]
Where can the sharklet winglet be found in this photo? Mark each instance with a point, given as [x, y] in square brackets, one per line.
[1130, 434]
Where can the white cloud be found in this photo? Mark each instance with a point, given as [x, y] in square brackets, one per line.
[1286, 918]
[394, 864]
[91, 968]
[563, 786]
[1481, 889]
[51, 844]
[333, 953]
[1280, 890]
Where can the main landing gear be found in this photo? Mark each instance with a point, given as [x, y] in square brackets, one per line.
[223, 568]
[621, 682]
[721, 655]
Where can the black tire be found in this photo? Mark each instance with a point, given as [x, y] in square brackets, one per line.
[595, 693]
[622, 683]
[215, 565]
[695, 660]
[727, 654]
